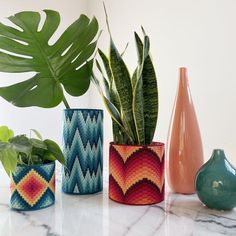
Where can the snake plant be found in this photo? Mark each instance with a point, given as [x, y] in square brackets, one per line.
[64, 66]
[132, 101]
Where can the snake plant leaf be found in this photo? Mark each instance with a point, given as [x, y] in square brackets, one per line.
[149, 93]
[65, 65]
[111, 108]
[106, 64]
[113, 95]
[105, 81]
[138, 109]
[124, 88]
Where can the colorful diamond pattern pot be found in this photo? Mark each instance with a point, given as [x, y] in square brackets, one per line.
[83, 151]
[33, 187]
[136, 174]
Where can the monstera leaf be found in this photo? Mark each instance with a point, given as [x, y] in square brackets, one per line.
[63, 66]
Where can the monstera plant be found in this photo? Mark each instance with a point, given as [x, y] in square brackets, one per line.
[63, 67]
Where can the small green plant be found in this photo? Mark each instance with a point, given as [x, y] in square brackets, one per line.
[64, 67]
[20, 149]
[132, 101]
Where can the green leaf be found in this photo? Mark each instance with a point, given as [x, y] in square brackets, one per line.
[106, 65]
[65, 65]
[38, 143]
[48, 156]
[124, 88]
[105, 82]
[21, 143]
[8, 158]
[5, 133]
[37, 134]
[112, 94]
[55, 150]
[145, 104]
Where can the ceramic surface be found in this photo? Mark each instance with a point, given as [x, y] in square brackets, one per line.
[216, 182]
[184, 145]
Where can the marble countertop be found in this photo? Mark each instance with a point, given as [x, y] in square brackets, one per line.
[97, 215]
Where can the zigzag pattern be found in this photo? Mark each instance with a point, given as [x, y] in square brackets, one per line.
[83, 150]
[33, 187]
[136, 174]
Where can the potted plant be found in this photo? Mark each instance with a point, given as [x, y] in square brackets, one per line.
[136, 163]
[30, 164]
[64, 67]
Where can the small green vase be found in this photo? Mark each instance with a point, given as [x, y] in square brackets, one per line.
[215, 182]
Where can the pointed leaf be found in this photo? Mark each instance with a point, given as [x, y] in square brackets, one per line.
[124, 88]
[149, 95]
[55, 150]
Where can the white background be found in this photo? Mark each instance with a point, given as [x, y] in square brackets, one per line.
[200, 35]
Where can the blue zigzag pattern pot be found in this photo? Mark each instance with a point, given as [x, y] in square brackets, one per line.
[83, 150]
[33, 187]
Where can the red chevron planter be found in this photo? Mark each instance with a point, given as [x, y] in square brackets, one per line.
[136, 173]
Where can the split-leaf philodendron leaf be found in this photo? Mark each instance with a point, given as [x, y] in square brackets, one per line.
[65, 65]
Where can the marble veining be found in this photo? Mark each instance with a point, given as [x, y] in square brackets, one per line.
[97, 215]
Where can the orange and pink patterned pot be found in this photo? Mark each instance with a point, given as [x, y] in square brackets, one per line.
[136, 173]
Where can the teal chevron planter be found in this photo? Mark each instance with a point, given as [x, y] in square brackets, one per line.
[83, 151]
[33, 187]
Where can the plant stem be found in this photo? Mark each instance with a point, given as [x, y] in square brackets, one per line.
[66, 103]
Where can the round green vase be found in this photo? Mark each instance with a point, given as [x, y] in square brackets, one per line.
[216, 182]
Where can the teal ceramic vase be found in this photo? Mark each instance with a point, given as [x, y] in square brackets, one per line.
[216, 182]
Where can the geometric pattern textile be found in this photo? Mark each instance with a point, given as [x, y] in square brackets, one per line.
[136, 173]
[33, 187]
[83, 151]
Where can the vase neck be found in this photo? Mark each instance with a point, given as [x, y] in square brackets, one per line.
[218, 154]
[183, 77]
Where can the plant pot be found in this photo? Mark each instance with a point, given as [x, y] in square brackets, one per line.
[83, 151]
[33, 187]
[136, 173]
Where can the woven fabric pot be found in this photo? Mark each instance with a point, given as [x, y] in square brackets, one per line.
[83, 151]
[33, 187]
[136, 174]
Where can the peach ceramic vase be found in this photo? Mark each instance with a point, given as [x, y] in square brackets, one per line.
[184, 145]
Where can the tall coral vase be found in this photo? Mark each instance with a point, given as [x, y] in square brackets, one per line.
[83, 150]
[184, 145]
[136, 174]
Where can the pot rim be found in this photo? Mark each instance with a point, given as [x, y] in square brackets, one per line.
[153, 144]
[82, 109]
[36, 165]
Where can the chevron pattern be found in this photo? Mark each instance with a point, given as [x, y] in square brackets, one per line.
[83, 151]
[136, 174]
[33, 187]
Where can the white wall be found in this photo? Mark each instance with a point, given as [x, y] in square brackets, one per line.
[199, 34]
